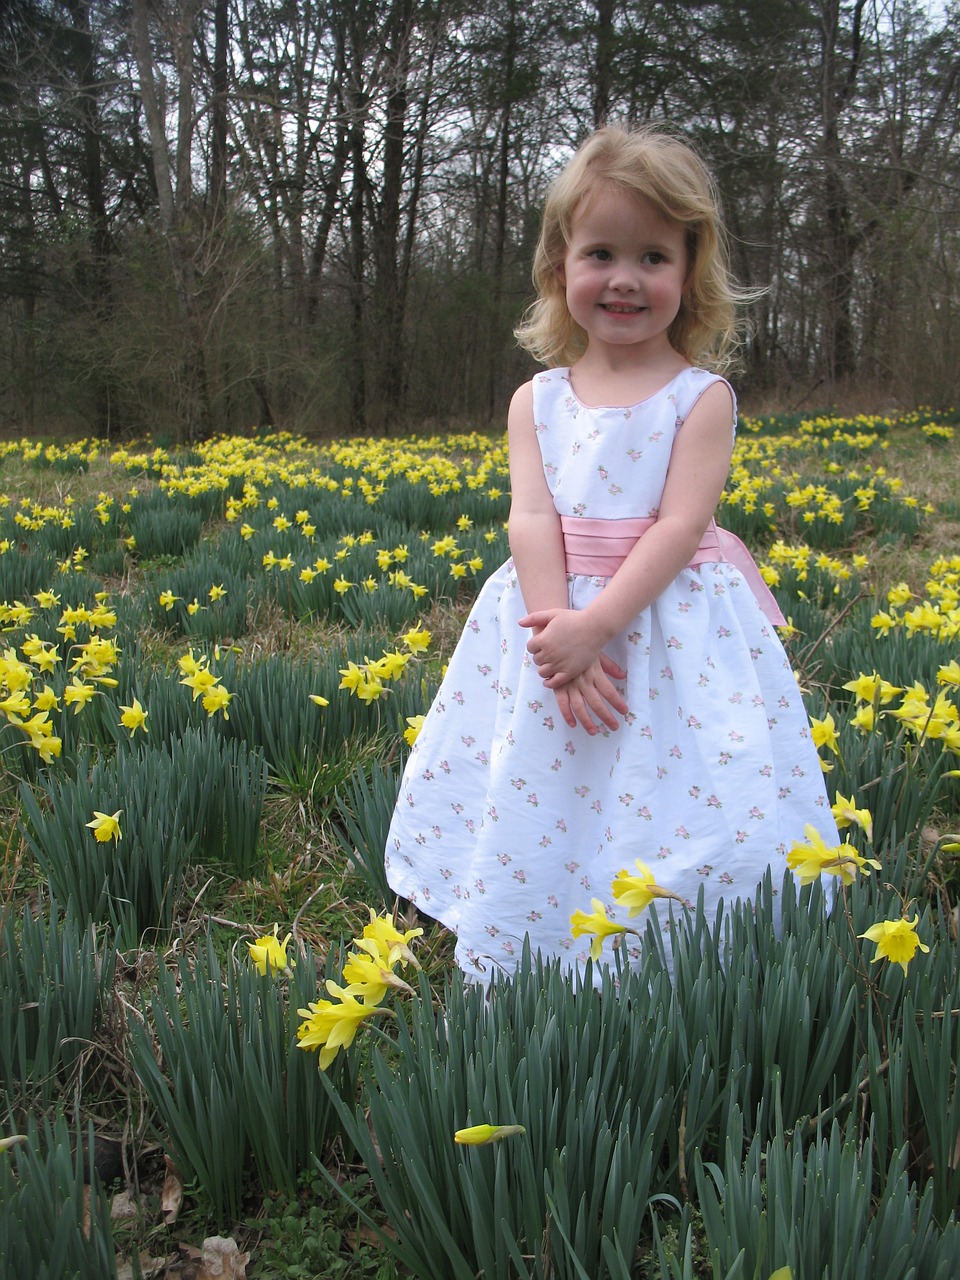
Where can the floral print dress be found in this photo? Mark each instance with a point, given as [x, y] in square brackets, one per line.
[508, 820]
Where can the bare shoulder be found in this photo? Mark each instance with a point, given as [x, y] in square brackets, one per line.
[520, 415]
[715, 407]
[521, 404]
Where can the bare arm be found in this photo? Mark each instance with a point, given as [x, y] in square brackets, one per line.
[536, 543]
[699, 466]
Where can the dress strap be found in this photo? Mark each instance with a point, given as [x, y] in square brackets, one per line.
[597, 548]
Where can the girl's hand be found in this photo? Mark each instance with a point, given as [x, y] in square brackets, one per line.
[592, 694]
[563, 645]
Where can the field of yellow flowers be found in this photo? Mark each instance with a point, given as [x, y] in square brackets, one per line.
[224, 1045]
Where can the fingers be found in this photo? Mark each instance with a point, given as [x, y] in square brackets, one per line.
[610, 668]
[539, 619]
[590, 698]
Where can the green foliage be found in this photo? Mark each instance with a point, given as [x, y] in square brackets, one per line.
[132, 883]
[364, 808]
[811, 1206]
[764, 1032]
[48, 1229]
[167, 530]
[57, 980]
[238, 1102]
[197, 797]
[23, 573]
[315, 1234]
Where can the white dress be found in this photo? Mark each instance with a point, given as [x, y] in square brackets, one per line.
[508, 820]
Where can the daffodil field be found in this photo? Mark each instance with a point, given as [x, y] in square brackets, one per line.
[223, 1043]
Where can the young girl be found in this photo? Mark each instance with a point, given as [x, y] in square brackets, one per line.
[619, 691]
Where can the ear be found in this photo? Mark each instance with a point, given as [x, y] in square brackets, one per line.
[561, 274]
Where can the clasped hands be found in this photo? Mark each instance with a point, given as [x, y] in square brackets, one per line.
[570, 662]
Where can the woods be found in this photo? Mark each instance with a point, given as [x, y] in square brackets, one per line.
[218, 214]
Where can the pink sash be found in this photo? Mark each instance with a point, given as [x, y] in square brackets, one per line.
[597, 549]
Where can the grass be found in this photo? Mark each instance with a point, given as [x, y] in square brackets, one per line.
[304, 878]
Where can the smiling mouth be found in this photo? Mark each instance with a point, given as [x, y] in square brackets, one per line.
[621, 309]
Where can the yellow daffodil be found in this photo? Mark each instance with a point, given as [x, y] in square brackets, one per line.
[392, 945]
[636, 892]
[846, 814]
[824, 733]
[872, 688]
[201, 680]
[269, 954]
[810, 861]
[78, 694]
[320, 701]
[365, 973]
[106, 826]
[133, 717]
[168, 599]
[481, 1135]
[595, 923]
[332, 1025]
[416, 639]
[896, 941]
[414, 725]
[217, 699]
[883, 622]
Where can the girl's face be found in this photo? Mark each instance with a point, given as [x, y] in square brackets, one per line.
[624, 271]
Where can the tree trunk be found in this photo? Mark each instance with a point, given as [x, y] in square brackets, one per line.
[194, 411]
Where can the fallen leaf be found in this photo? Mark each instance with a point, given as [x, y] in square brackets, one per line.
[146, 1268]
[221, 1258]
[171, 1197]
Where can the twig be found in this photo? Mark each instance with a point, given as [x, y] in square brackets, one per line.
[295, 927]
[811, 649]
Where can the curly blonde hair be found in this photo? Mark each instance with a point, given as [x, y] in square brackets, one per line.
[664, 169]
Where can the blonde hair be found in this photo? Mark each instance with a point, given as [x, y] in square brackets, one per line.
[665, 170]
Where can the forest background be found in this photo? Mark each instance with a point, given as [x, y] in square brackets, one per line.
[219, 214]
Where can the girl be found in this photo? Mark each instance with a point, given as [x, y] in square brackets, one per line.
[619, 691]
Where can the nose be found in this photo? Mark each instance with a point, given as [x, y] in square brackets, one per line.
[624, 276]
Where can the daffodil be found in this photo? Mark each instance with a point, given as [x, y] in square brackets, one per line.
[332, 1025]
[595, 923]
[318, 700]
[106, 826]
[217, 699]
[481, 1135]
[78, 694]
[416, 639]
[201, 680]
[846, 814]
[824, 733]
[810, 861]
[269, 954]
[392, 945]
[367, 975]
[636, 892]
[414, 725]
[872, 688]
[133, 717]
[896, 941]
